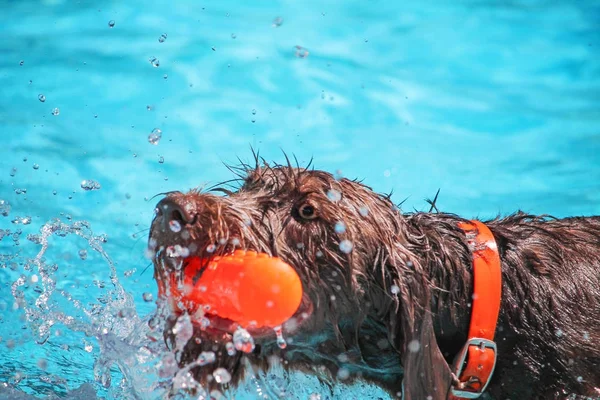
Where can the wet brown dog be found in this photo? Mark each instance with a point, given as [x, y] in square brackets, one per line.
[376, 280]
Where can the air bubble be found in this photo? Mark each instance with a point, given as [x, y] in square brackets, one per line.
[161, 160]
[395, 289]
[111, 23]
[83, 254]
[36, 166]
[155, 62]
[55, 111]
[162, 38]
[41, 98]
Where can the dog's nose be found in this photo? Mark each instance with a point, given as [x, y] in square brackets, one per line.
[172, 215]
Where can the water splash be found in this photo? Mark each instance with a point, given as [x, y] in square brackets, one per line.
[115, 334]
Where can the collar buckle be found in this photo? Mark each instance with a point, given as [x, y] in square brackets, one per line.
[474, 368]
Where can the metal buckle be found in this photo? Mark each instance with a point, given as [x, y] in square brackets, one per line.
[480, 343]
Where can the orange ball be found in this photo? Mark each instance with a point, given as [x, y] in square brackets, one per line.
[246, 287]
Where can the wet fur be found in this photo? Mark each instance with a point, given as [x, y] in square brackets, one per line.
[408, 277]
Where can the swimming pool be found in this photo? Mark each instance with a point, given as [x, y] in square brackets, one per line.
[494, 103]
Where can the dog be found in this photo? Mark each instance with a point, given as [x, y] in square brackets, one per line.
[388, 295]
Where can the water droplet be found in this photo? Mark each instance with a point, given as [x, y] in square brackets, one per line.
[346, 246]
[167, 366]
[155, 62]
[277, 22]
[42, 363]
[414, 346]
[340, 227]
[206, 357]
[343, 374]
[221, 375]
[89, 184]
[175, 226]
[83, 254]
[301, 52]
[243, 341]
[211, 248]
[230, 347]
[111, 23]
[395, 289]
[155, 136]
[162, 38]
[280, 340]
[216, 395]
[559, 333]
[364, 211]
[314, 396]
[41, 98]
[55, 111]
[579, 379]
[4, 208]
[147, 297]
[161, 160]
[334, 195]
[183, 331]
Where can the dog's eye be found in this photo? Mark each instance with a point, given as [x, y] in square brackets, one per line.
[307, 211]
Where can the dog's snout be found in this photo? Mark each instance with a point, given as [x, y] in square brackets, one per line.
[171, 214]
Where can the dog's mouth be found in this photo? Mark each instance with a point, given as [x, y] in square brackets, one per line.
[172, 265]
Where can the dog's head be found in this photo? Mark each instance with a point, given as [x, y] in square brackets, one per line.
[366, 292]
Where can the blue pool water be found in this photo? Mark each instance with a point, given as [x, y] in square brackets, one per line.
[495, 103]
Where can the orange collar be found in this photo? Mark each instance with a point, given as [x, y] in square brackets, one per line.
[475, 363]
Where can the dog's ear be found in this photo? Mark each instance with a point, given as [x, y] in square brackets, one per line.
[427, 375]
